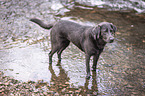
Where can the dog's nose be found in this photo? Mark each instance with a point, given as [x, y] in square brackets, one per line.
[111, 39]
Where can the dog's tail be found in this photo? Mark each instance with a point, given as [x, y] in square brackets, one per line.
[41, 24]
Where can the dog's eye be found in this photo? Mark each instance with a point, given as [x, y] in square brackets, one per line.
[111, 31]
[106, 31]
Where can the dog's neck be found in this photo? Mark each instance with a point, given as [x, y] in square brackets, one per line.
[100, 43]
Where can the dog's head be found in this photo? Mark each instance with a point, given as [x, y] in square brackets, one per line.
[105, 31]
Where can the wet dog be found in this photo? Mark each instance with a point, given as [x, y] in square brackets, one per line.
[90, 40]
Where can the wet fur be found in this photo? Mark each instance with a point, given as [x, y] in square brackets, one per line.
[90, 40]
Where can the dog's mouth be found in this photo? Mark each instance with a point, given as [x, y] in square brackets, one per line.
[110, 40]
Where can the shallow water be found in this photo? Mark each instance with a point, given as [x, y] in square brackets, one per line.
[122, 5]
[24, 48]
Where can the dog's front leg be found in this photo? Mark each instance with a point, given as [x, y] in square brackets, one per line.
[95, 60]
[88, 66]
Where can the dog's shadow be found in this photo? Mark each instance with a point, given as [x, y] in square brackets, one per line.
[61, 84]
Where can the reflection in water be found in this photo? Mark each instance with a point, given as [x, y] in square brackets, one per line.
[94, 88]
[60, 83]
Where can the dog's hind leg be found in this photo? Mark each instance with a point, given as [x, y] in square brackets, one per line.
[63, 46]
[51, 54]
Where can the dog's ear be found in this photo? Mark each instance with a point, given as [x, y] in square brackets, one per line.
[96, 32]
[113, 27]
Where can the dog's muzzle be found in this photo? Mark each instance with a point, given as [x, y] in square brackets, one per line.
[111, 39]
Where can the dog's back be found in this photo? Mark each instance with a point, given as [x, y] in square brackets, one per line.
[65, 30]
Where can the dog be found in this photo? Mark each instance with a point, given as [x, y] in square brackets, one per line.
[90, 40]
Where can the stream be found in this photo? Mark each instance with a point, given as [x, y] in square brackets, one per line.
[24, 46]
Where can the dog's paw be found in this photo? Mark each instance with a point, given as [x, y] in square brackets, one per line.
[93, 68]
[88, 76]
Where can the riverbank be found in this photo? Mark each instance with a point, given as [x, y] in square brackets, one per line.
[12, 87]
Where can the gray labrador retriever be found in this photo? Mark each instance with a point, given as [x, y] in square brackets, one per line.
[90, 40]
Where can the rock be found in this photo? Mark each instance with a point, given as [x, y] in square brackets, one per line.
[63, 90]
[6, 84]
[44, 93]
[56, 94]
